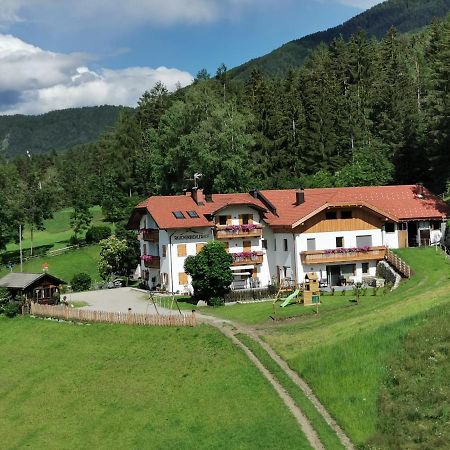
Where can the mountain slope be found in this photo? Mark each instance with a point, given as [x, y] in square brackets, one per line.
[56, 130]
[404, 15]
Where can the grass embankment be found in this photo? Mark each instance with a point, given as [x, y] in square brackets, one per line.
[66, 265]
[344, 355]
[414, 408]
[55, 236]
[109, 386]
[57, 231]
[326, 435]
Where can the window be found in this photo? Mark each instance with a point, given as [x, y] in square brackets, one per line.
[365, 268]
[389, 227]
[403, 226]
[178, 214]
[246, 219]
[346, 215]
[339, 242]
[182, 278]
[311, 245]
[164, 251]
[192, 214]
[264, 244]
[223, 220]
[285, 245]
[198, 248]
[274, 245]
[331, 215]
[181, 250]
[364, 241]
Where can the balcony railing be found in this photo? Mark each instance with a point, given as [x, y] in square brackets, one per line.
[238, 231]
[151, 262]
[241, 259]
[150, 235]
[343, 255]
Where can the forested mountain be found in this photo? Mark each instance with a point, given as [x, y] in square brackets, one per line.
[404, 15]
[56, 130]
[358, 112]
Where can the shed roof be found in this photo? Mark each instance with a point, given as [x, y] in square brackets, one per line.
[20, 280]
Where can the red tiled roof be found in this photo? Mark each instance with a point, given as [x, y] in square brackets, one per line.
[395, 202]
[400, 202]
[161, 208]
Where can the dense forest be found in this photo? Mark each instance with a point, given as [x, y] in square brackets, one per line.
[404, 15]
[359, 112]
[56, 130]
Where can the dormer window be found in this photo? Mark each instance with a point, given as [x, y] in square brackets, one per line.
[178, 214]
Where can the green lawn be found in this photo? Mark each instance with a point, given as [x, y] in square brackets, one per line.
[261, 313]
[343, 355]
[66, 386]
[66, 265]
[57, 231]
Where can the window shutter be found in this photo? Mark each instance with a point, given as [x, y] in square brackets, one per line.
[164, 251]
[227, 245]
[240, 219]
[228, 220]
[199, 247]
[247, 245]
[181, 249]
[250, 219]
[182, 278]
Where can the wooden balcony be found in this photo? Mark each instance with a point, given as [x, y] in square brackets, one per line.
[151, 262]
[150, 235]
[237, 231]
[345, 255]
[242, 259]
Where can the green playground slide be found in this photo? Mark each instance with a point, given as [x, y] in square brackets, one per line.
[291, 297]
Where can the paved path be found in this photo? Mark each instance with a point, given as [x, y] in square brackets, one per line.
[118, 300]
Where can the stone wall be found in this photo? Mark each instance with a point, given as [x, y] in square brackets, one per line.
[384, 270]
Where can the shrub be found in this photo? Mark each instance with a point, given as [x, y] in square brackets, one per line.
[5, 299]
[11, 309]
[81, 282]
[96, 234]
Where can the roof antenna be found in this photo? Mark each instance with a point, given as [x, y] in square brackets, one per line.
[197, 177]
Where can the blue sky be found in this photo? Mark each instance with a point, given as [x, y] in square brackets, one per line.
[63, 53]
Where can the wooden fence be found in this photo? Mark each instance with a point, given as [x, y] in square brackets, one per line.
[84, 315]
[398, 264]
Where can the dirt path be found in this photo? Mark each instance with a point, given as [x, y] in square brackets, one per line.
[310, 433]
[301, 419]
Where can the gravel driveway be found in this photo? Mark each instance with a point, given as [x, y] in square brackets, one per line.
[118, 300]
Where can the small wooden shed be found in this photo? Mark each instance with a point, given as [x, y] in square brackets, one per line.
[36, 287]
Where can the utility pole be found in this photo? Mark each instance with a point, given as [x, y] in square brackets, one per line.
[20, 248]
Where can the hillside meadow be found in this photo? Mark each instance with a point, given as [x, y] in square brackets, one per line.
[109, 386]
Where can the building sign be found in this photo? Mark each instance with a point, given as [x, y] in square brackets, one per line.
[192, 237]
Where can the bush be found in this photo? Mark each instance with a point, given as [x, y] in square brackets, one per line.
[11, 309]
[96, 234]
[81, 282]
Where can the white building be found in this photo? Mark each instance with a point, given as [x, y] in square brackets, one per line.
[276, 235]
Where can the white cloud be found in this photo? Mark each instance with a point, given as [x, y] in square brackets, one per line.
[122, 12]
[34, 81]
[362, 4]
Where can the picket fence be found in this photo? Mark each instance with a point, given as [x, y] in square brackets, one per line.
[129, 318]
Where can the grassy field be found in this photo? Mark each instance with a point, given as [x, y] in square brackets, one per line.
[57, 231]
[66, 386]
[263, 313]
[343, 355]
[66, 265]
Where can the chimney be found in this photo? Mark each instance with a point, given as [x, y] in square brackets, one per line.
[197, 195]
[419, 190]
[299, 198]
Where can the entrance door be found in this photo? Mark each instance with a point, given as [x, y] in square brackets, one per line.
[412, 234]
[425, 237]
[334, 273]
